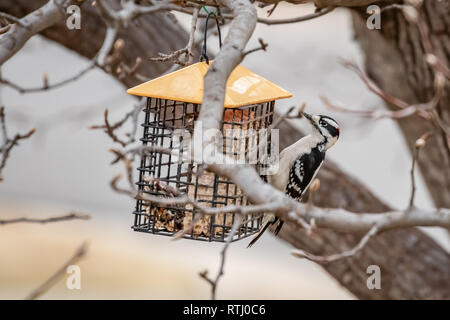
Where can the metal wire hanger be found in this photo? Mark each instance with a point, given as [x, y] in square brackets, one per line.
[204, 55]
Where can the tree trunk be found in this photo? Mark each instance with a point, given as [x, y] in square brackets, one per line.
[412, 264]
[395, 61]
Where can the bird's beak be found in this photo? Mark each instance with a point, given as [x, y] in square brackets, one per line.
[307, 116]
[312, 119]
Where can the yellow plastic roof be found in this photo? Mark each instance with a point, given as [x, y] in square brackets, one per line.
[243, 87]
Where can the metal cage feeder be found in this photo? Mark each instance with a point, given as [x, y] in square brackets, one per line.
[173, 102]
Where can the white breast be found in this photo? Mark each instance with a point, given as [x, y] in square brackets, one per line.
[280, 178]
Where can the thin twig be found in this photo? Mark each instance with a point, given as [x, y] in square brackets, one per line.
[371, 114]
[33, 23]
[9, 143]
[47, 86]
[185, 52]
[187, 229]
[372, 86]
[419, 144]
[413, 15]
[67, 217]
[214, 283]
[99, 61]
[43, 288]
[128, 168]
[12, 18]
[325, 259]
[413, 180]
[113, 183]
[262, 46]
[190, 8]
[424, 110]
[109, 129]
[296, 19]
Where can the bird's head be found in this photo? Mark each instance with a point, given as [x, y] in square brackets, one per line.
[325, 128]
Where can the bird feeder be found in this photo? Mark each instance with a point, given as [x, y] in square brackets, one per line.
[173, 102]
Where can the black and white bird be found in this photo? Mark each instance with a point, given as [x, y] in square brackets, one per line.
[299, 164]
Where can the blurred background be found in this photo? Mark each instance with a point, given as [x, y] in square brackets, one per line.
[65, 166]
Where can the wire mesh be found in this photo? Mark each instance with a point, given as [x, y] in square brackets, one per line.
[239, 135]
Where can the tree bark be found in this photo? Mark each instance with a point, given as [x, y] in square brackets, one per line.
[413, 266]
[394, 59]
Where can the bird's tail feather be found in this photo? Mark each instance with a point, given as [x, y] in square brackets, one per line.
[259, 234]
[278, 228]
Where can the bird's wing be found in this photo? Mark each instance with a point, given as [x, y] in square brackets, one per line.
[302, 172]
[279, 177]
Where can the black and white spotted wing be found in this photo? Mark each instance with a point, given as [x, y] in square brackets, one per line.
[302, 172]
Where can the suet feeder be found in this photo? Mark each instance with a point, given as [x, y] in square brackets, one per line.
[173, 102]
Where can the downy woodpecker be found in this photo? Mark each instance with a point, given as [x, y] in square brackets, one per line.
[299, 164]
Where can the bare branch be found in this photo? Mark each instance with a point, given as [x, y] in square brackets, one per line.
[129, 171]
[9, 143]
[262, 46]
[371, 114]
[113, 183]
[108, 43]
[67, 217]
[325, 259]
[33, 23]
[47, 86]
[248, 180]
[424, 110]
[187, 229]
[185, 52]
[296, 19]
[412, 14]
[268, 199]
[229, 56]
[420, 143]
[59, 274]
[188, 10]
[5, 29]
[110, 129]
[183, 199]
[223, 254]
[130, 10]
[11, 18]
[99, 61]
[372, 86]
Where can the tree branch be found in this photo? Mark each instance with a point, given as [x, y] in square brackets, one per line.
[311, 16]
[334, 257]
[49, 14]
[47, 285]
[9, 143]
[67, 217]
[223, 254]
